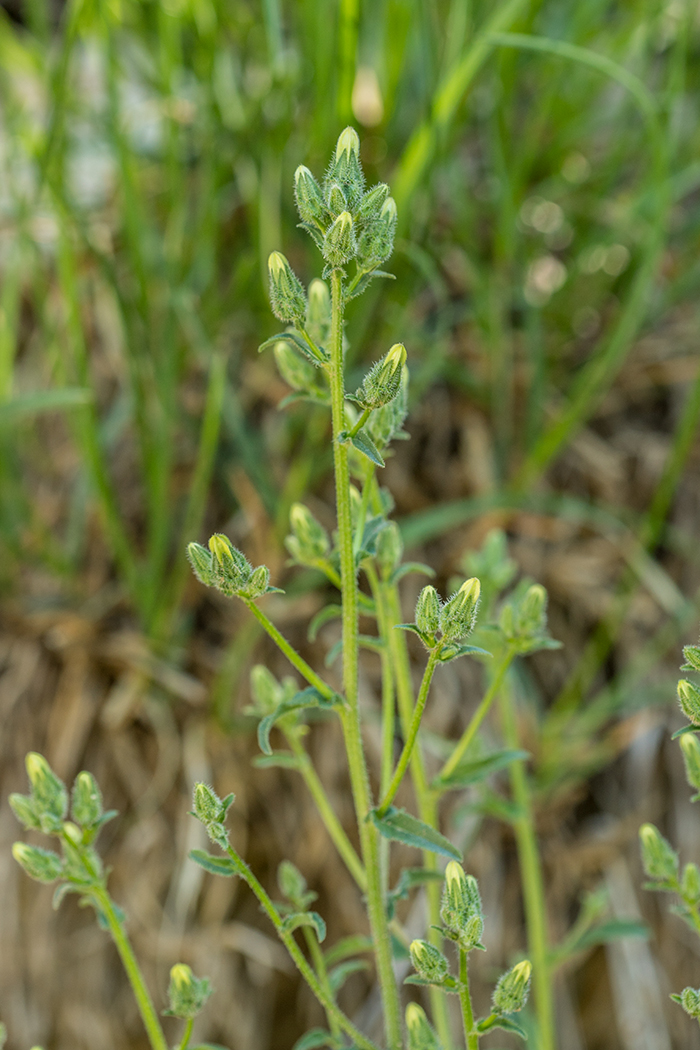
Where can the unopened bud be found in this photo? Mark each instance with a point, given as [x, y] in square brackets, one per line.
[41, 864]
[24, 809]
[49, 793]
[319, 312]
[187, 994]
[348, 145]
[346, 169]
[460, 910]
[532, 612]
[428, 961]
[372, 202]
[691, 757]
[258, 583]
[512, 990]
[310, 203]
[339, 244]
[420, 1033]
[659, 859]
[295, 369]
[689, 700]
[86, 802]
[382, 382]
[266, 690]
[692, 656]
[377, 240]
[458, 614]
[287, 296]
[231, 568]
[208, 807]
[427, 616]
[690, 1001]
[389, 549]
[201, 561]
[309, 540]
[337, 201]
[690, 883]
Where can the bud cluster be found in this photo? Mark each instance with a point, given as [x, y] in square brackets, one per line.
[523, 621]
[308, 542]
[383, 381]
[511, 992]
[223, 566]
[690, 1001]
[460, 910]
[453, 620]
[211, 811]
[45, 808]
[187, 994]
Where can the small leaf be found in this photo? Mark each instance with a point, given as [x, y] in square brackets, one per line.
[309, 697]
[281, 759]
[449, 983]
[479, 768]
[364, 444]
[684, 730]
[314, 1038]
[306, 918]
[408, 880]
[333, 653]
[315, 354]
[216, 865]
[348, 946]
[399, 826]
[611, 931]
[411, 566]
[452, 652]
[322, 617]
[339, 974]
[410, 627]
[503, 1022]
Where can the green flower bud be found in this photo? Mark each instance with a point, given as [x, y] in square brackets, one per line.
[377, 240]
[295, 369]
[201, 561]
[41, 864]
[318, 315]
[690, 883]
[266, 690]
[24, 809]
[689, 700]
[346, 169]
[337, 201]
[372, 203]
[659, 859]
[428, 961]
[49, 794]
[385, 423]
[310, 203]
[287, 296]
[427, 616]
[420, 1034]
[383, 381]
[461, 906]
[389, 550]
[692, 657]
[309, 540]
[258, 583]
[458, 614]
[187, 994]
[231, 569]
[532, 611]
[691, 757]
[512, 990]
[208, 807]
[348, 146]
[690, 1001]
[339, 244]
[86, 802]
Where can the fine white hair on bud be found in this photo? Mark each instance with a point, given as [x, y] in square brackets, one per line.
[348, 143]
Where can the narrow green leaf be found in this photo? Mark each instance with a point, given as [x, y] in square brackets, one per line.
[216, 865]
[339, 974]
[399, 826]
[452, 652]
[411, 566]
[611, 931]
[322, 617]
[281, 759]
[314, 1038]
[309, 697]
[44, 401]
[506, 1023]
[306, 918]
[684, 730]
[364, 444]
[479, 768]
[348, 946]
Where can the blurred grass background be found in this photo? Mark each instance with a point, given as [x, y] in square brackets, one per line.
[545, 162]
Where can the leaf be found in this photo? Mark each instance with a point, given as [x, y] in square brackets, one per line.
[364, 444]
[347, 946]
[452, 652]
[398, 948]
[298, 343]
[684, 730]
[309, 697]
[281, 759]
[216, 865]
[449, 983]
[408, 880]
[339, 974]
[411, 566]
[44, 401]
[322, 617]
[315, 1037]
[611, 931]
[399, 826]
[373, 526]
[306, 918]
[410, 627]
[479, 768]
[503, 1022]
[492, 805]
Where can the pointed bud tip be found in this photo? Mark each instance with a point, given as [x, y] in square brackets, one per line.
[348, 142]
[276, 264]
[397, 355]
[389, 209]
[471, 589]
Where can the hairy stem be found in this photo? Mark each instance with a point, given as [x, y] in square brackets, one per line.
[322, 973]
[350, 716]
[185, 1041]
[471, 1036]
[292, 655]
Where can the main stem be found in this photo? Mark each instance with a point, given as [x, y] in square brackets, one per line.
[143, 999]
[533, 885]
[350, 715]
[471, 1036]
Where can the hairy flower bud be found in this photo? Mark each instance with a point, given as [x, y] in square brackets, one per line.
[389, 550]
[24, 809]
[339, 244]
[309, 540]
[287, 296]
[49, 794]
[201, 561]
[659, 859]
[345, 169]
[377, 240]
[295, 369]
[511, 992]
[532, 611]
[258, 583]
[309, 198]
[691, 757]
[41, 864]
[461, 906]
[319, 310]
[428, 961]
[690, 883]
[692, 657]
[427, 616]
[458, 614]
[187, 994]
[231, 569]
[208, 807]
[689, 700]
[86, 801]
[337, 201]
[383, 381]
[420, 1033]
[690, 1001]
[372, 203]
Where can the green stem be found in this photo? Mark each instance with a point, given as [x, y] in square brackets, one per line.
[388, 705]
[471, 1036]
[360, 423]
[410, 742]
[350, 716]
[292, 655]
[322, 973]
[148, 1014]
[532, 882]
[327, 813]
[477, 718]
[185, 1042]
[332, 1010]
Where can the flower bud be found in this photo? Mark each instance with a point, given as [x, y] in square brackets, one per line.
[690, 1001]
[458, 614]
[348, 146]
[389, 549]
[511, 992]
[86, 802]
[382, 382]
[258, 583]
[266, 690]
[339, 244]
[346, 169]
[532, 611]
[690, 883]
[461, 906]
[187, 994]
[309, 540]
[201, 561]
[420, 1034]
[310, 203]
[689, 700]
[208, 807]
[49, 794]
[691, 757]
[337, 201]
[287, 296]
[692, 657]
[231, 569]
[24, 809]
[319, 310]
[428, 961]
[372, 202]
[427, 616]
[659, 859]
[41, 864]
[297, 371]
[377, 240]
